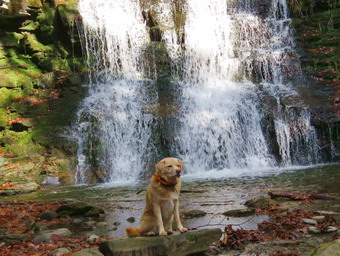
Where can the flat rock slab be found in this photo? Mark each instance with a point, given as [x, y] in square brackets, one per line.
[191, 242]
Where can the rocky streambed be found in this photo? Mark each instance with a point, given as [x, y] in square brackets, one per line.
[101, 213]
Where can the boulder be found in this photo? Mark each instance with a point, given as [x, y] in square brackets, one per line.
[261, 202]
[79, 209]
[191, 242]
[239, 212]
[327, 249]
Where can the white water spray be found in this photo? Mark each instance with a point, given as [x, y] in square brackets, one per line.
[223, 116]
[221, 126]
[112, 131]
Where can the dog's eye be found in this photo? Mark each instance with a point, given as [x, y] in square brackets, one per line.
[178, 165]
[169, 165]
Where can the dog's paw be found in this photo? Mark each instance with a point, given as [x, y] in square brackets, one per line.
[169, 231]
[162, 233]
[182, 230]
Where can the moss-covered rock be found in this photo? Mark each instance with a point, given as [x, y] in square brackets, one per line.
[37, 65]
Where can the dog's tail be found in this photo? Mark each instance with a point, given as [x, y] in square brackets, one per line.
[132, 231]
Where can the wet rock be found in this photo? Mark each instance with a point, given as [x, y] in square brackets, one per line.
[327, 249]
[310, 221]
[80, 209]
[88, 252]
[131, 219]
[191, 242]
[45, 235]
[194, 213]
[260, 202]
[239, 212]
[314, 230]
[116, 223]
[19, 188]
[48, 215]
[60, 251]
[93, 213]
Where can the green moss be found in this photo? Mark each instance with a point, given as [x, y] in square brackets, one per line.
[46, 17]
[20, 143]
[68, 14]
[34, 45]
[10, 39]
[31, 26]
[319, 36]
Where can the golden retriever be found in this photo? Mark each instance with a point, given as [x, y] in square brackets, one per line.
[162, 201]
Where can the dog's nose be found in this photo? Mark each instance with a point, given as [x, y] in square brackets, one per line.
[178, 171]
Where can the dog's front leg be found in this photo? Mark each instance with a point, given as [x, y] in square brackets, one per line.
[159, 221]
[177, 218]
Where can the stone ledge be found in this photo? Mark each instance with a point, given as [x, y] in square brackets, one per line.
[189, 243]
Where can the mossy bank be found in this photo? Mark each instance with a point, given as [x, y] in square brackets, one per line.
[41, 70]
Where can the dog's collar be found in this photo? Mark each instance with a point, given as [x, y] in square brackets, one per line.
[159, 179]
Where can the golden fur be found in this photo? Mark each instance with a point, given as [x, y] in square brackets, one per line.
[162, 201]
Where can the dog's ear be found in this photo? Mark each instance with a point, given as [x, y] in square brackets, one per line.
[181, 163]
[160, 166]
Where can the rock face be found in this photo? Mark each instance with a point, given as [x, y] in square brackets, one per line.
[189, 243]
[37, 53]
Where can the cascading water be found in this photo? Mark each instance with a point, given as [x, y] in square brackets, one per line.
[222, 122]
[231, 67]
[112, 131]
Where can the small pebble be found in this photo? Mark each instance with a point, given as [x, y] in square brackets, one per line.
[77, 221]
[131, 219]
[116, 223]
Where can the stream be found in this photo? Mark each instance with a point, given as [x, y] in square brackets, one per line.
[212, 196]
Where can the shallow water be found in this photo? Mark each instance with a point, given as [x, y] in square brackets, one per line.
[211, 196]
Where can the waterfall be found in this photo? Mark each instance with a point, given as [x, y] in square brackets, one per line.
[233, 69]
[112, 131]
[223, 118]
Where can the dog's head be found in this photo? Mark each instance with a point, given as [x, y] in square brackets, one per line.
[169, 169]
